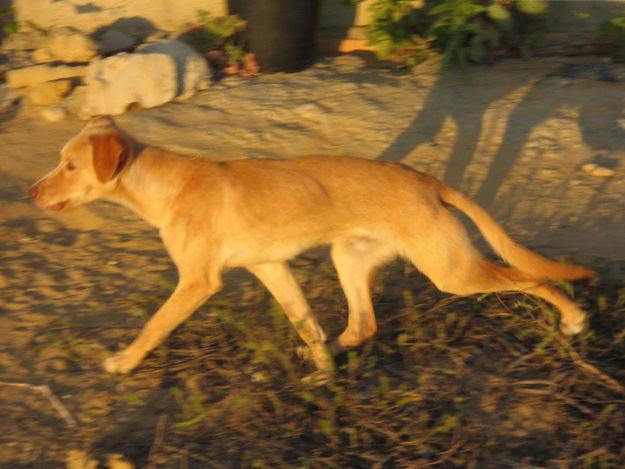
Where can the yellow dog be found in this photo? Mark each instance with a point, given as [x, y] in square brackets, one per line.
[259, 213]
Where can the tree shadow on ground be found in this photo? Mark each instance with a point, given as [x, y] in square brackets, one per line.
[450, 98]
[565, 93]
[603, 139]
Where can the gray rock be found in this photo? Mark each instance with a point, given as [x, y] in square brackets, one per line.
[113, 41]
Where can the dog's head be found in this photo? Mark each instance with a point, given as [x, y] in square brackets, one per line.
[90, 165]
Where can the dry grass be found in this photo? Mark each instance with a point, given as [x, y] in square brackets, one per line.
[448, 382]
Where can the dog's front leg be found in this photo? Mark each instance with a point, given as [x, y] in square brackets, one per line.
[186, 298]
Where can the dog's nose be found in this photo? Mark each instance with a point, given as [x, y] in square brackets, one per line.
[33, 191]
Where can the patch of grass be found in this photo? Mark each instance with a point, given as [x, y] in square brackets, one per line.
[613, 31]
[454, 382]
[485, 381]
[8, 25]
[462, 31]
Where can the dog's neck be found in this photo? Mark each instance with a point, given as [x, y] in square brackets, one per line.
[149, 183]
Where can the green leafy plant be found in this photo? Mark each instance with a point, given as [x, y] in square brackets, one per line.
[613, 31]
[471, 30]
[214, 33]
[395, 31]
[462, 30]
[217, 39]
[8, 24]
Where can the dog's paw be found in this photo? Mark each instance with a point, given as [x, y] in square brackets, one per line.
[119, 363]
[573, 327]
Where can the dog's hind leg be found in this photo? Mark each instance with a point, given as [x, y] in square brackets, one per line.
[448, 258]
[490, 277]
[355, 260]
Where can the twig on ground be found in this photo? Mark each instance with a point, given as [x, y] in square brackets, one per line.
[47, 392]
[159, 436]
[607, 380]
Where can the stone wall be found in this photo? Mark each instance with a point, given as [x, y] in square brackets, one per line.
[88, 15]
[169, 15]
[570, 23]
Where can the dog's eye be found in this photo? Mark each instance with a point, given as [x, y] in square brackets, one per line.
[70, 166]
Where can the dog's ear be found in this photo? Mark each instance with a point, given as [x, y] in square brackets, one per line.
[110, 152]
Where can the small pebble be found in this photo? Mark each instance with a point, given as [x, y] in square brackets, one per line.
[598, 171]
[259, 377]
[118, 461]
[603, 172]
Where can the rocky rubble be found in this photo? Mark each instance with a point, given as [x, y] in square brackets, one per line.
[49, 92]
[73, 73]
[66, 45]
[35, 75]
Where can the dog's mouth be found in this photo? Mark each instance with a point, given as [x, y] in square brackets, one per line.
[57, 207]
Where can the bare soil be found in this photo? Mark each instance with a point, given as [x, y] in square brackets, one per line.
[482, 382]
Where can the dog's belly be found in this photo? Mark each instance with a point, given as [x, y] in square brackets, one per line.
[260, 250]
[244, 255]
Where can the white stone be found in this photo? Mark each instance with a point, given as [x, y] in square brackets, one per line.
[192, 68]
[114, 83]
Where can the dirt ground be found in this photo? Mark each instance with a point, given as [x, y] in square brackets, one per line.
[77, 286]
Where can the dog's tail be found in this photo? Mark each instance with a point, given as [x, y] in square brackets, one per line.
[509, 250]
